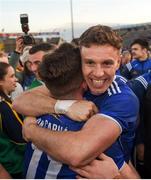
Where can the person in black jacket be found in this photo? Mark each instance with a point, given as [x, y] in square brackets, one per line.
[147, 142]
[12, 144]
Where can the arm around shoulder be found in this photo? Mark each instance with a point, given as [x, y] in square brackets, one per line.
[76, 148]
[34, 102]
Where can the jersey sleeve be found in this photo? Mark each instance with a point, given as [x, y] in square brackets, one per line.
[126, 71]
[138, 88]
[123, 109]
[11, 123]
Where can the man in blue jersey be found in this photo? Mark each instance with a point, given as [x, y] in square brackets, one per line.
[141, 62]
[100, 51]
[139, 85]
[147, 142]
[62, 74]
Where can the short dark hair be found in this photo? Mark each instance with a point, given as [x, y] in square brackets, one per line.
[100, 35]
[75, 42]
[42, 47]
[142, 42]
[61, 70]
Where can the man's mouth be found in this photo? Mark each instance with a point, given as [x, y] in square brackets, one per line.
[98, 83]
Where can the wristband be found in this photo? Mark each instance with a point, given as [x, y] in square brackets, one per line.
[62, 106]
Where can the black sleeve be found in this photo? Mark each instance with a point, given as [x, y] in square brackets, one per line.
[125, 72]
[11, 123]
[138, 89]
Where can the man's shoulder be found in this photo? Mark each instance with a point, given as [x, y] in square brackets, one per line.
[119, 86]
[121, 100]
[135, 62]
[120, 94]
[132, 63]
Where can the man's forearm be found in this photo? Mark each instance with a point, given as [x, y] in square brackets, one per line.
[34, 103]
[57, 145]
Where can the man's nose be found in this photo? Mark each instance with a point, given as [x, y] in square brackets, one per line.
[33, 68]
[98, 71]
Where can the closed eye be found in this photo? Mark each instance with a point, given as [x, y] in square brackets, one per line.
[108, 62]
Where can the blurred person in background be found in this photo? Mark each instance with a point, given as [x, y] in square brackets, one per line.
[11, 143]
[36, 54]
[18, 61]
[3, 57]
[141, 63]
[18, 90]
[126, 57]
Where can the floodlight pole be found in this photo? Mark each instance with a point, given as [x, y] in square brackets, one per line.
[72, 25]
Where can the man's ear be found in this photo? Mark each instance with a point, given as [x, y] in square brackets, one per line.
[118, 62]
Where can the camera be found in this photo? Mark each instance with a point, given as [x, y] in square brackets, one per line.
[27, 39]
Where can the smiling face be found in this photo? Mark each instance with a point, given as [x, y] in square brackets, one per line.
[8, 83]
[99, 65]
[34, 61]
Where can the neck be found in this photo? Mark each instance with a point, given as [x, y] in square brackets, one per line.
[6, 93]
[5, 96]
[76, 95]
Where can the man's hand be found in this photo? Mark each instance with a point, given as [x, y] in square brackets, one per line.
[82, 110]
[3, 173]
[19, 45]
[101, 168]
[29, 122]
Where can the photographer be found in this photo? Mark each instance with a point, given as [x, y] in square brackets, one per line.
[20, 56]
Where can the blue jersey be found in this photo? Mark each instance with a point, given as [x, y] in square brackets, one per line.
[139, 85]
[121, 105]
[37, 163]
[136, 68]
[118, 103]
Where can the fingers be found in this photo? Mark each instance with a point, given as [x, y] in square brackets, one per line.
[80, 177]
[29, 121]
[19, 44]
[81, 172]
[26, 129]
[102, 156]
[19, 40]
[95, 109]
[31, 118]
[82, 110]
[92, 110]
